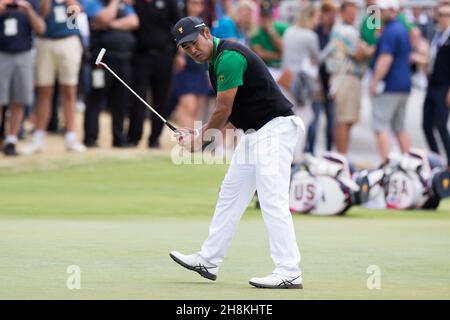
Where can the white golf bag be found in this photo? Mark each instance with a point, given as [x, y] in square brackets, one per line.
[322, 185]
[414, 180]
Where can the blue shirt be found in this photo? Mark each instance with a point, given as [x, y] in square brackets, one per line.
[395, 41]
[59, 23]
[93, 7]
[11, 41]
[226, 29]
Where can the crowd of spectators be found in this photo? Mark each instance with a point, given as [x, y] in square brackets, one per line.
[318, 52]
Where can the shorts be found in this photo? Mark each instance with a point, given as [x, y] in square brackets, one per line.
[388, 112]
[347, 99]
[16, 80]
[58, 59]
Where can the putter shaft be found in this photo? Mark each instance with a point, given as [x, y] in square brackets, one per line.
[142, 100]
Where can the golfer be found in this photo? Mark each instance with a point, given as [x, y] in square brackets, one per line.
[249, 99]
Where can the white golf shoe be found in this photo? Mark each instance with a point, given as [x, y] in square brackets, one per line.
[196, 263]
[275, 281]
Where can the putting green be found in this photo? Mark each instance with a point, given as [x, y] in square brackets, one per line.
[118, 220]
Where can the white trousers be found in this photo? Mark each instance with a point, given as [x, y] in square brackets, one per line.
[262, 162]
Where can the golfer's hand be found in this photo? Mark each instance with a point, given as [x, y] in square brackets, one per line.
[189, 139]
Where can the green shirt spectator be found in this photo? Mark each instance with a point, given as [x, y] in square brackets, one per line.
[263, 39]
[229, 67]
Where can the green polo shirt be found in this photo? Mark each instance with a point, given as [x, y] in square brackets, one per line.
[229, 68]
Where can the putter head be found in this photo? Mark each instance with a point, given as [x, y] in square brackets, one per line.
[100, 56]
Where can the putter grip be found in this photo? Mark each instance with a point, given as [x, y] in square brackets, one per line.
[207, 143]
[171, 126]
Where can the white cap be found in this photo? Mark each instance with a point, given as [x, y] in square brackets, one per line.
[388, 4]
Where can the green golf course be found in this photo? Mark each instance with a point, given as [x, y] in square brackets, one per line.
[118, 219]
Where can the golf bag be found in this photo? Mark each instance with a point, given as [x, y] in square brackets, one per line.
[322, 185]
[414, 180]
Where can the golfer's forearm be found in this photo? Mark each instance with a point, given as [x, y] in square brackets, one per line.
[219, 118]
[109, 13]
[127, 23]
[382, 67]
[224, 106]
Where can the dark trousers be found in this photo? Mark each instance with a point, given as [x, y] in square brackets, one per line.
[150, 71]
[328, 107]
[435, 116]
[116, 96]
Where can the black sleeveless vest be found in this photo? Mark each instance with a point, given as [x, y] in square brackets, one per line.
[259, 99]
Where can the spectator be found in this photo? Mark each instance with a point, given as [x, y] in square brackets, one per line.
[191, 83]
[267, 42]
[59, 53]
[152, 64]
[347, 65]
[322, 100]
[209, 13]
[222, 8]
[391, 80]
[425, 24]
[111, 25]
[18, 20]
[371, 31]
[437, 101]
[238, 25]
[300, 42]
[419, 56]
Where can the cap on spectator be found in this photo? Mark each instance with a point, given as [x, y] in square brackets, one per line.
[187, 29]
[266, 8]
[388, 4]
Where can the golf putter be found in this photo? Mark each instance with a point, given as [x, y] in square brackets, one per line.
[98, 62]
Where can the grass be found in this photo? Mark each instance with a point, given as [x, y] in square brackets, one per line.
[118, 220]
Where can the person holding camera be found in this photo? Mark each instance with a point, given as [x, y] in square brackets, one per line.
[112, 23]
[18, 20]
